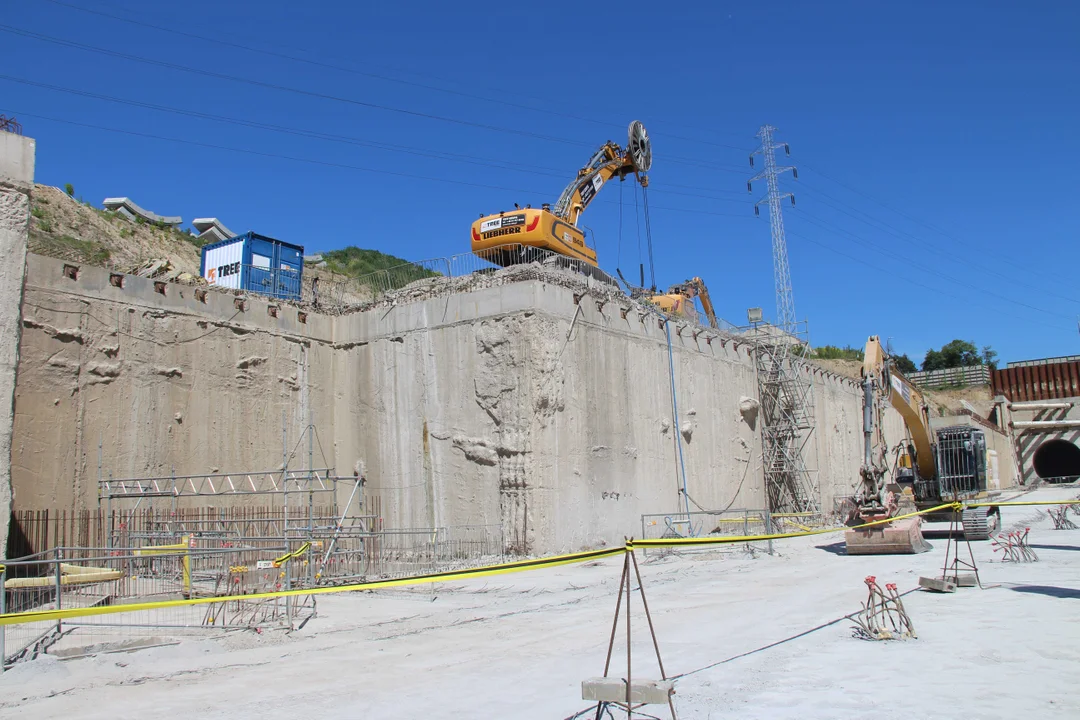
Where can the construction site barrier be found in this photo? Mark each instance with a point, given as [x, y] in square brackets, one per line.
[483, 571]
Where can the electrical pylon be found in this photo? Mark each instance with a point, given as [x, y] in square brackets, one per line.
[784, 385]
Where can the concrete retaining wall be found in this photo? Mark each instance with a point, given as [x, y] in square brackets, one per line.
[511, 405]
[16, 184]
[165, 383]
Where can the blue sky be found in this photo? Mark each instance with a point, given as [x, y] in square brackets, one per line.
[936, 141]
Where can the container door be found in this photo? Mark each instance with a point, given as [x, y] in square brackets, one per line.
[222, 265]
[261, 273]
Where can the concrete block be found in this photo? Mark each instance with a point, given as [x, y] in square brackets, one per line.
[17, 159]
[612, 689]
[937, 585]
[963, 579]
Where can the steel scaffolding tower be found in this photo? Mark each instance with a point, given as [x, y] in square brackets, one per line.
[784, 386]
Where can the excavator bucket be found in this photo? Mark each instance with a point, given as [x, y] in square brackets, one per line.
[900, 537]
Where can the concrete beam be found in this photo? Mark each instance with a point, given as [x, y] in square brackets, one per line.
[123, 204]
[212, 228]
[16, 184]
[1045, 424]
[1020, 407]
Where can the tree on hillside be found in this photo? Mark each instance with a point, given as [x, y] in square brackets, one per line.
[989, 357]
[832, 352]
[958, 353]
[904, 364]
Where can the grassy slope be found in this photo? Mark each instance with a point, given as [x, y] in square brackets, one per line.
[63, 227]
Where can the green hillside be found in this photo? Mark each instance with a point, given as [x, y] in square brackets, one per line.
[359, 263]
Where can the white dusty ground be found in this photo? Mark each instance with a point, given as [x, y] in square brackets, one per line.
[759, 638]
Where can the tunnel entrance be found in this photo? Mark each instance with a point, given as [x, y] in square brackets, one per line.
[1057, 460]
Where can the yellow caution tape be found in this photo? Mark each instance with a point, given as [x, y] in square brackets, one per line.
[731, 539]
[483, 571]
[1022, 502]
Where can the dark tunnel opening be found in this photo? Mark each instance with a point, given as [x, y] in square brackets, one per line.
[1059, 460]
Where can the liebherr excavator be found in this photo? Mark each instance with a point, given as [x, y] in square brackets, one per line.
[679, 300]
[506, 238]
[929, 467]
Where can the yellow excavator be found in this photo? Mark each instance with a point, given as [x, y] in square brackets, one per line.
[928, 467]
[679, 301]
[507, 238]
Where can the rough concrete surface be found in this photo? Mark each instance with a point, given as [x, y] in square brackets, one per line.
[163, 383]
[748, 638]
[16, 184]
[508, 406]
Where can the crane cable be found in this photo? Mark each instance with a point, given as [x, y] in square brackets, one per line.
[648, 237]
[637, 220]
[680, 469]
[618, 257]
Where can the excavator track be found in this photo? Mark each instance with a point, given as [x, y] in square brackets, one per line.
[979, 522]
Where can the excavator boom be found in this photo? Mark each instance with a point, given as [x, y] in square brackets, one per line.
[878, 499]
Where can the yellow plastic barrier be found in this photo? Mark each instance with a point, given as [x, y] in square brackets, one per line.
[183, 546]
[69, 575]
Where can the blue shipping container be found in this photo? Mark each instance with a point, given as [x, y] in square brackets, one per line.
[255, 263]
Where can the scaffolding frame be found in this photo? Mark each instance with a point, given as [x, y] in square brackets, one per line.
[785, 391]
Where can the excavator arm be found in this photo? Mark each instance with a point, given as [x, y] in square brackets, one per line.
[906, 400]
[706, 302]
[607, 162]
[880, 497]
[679, 300]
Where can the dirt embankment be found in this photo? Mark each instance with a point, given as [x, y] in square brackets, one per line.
[63, 227]
[941, 402]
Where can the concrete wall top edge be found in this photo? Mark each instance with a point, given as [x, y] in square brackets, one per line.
[52, 274]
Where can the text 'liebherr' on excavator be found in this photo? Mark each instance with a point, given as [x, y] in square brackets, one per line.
[928, 468]
[505, 238]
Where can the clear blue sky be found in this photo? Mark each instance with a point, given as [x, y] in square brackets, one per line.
[936, 142]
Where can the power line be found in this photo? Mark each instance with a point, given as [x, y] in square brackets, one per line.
[284, 129]
[331, 137]
[900, 234]
[318, 63]
[859, 240]
[276, 86]
[313, 94]
[1038, 273]
[345, 166]
[384, 146]
[909, 281]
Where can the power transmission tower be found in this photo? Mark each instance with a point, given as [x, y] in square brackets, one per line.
[784, 385]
